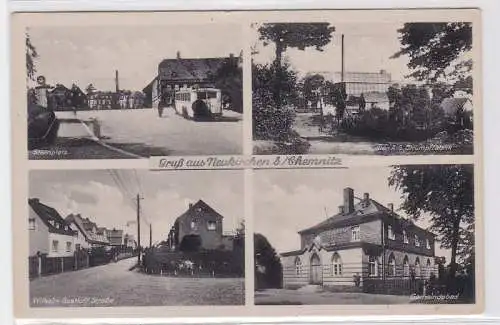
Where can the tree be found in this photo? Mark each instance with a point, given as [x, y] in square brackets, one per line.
[31, 56]
[446, 194]
[90, 89]
[313, 85]
[436, 51]
[293, 35]
[229, 79]
[269, 272]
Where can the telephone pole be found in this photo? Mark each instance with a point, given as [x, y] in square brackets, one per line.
[138, 229]
[150, 236]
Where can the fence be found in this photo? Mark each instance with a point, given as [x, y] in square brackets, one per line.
[43, 265]
[204, 263]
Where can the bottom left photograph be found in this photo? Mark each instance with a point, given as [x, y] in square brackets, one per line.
[130, 237]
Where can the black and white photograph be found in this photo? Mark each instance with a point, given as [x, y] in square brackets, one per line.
[365, 236]
[363, 88]
[104, 92]
[105, 238]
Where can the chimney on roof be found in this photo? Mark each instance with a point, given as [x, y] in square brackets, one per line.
[366, 197]
[341, 209]
[391, 207]
[178, 54]
[190, 205]
[383, 71]
[348, 200]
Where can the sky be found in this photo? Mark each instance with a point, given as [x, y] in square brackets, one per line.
[287, 201]
[368, 48]
[91, 54]
[94, 194]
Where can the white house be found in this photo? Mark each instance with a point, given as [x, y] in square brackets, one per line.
[49, 233]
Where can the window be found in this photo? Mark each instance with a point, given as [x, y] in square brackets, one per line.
[298, 266]
[55, 246]
[392, 265]
[202, 95]
[77, 247]
[428, 268]
[194, 225]
[418, 270]
[390, 233]
[32, 224]
[355, 233]
[68, 246]
[428, 243]
[405, 237]
[336, 265]
[417, 241]
[406, 267]
[372, 266]
[211, 225]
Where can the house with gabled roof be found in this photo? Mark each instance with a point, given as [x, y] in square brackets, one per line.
[89, 235]
[49, 233]
[199, 228]
[182, 73]
[364, 240]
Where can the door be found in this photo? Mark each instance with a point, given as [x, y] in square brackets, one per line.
[316, 270]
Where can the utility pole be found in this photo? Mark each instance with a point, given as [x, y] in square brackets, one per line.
[138, 229]
[150, 236]
[342, 60]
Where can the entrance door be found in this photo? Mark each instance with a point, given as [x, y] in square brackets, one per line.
[316, 270]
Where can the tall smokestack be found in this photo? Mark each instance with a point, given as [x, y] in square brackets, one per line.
[116, 81]
[348, 200]
[342, 60]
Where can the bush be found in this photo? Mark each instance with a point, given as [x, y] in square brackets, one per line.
[270, 123]
[383, 125]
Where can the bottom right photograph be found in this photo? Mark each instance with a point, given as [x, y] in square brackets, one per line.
[400, 234]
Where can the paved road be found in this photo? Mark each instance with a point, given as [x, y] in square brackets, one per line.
[114, 285]
[297, 297]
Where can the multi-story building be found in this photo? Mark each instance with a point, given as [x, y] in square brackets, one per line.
[49, 234]
[115, 237]
[179, 73]
[90, 235]
[364, 240]
[200, 227]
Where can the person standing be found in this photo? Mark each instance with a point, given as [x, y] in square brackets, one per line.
[42, 92]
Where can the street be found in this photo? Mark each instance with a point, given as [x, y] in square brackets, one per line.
[142, 133]
[114, 285]
[297, 297]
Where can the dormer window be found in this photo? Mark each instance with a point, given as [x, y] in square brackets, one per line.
[390, 233]
[405, 237]
[417, 241]
[32, 224]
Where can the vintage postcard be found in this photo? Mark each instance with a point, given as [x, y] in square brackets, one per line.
[247, 163]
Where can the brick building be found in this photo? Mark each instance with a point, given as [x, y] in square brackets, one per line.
[200, 227]
[364, 241]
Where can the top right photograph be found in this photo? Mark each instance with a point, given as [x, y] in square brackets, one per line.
[363, 88]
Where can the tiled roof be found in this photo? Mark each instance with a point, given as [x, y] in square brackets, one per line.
[189, 69]
[204, 207]
[86, 226]
[51, 218]
[362, 213]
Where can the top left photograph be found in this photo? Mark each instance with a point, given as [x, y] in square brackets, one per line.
[125, 92]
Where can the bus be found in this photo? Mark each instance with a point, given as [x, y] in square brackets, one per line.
[199, 103]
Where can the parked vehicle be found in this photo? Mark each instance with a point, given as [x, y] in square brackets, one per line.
[199, 103]
[43, 126]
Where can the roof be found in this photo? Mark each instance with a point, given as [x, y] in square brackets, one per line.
[86, 228]
[362, 213]
[189, 69]
[51, 218]
[451, 105]
[198, 207]
[376, 97]
[356, 77]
